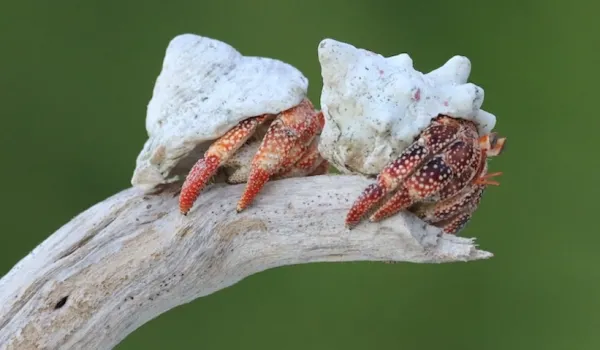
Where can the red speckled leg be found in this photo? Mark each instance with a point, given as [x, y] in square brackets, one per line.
[432, 140]
[424, 183]
[464, 205]
[465, 201]
[308, 164]
[216, 154]
[457, 223]
[453, 213]
[285, 142]
[387, 181]
[452, 169]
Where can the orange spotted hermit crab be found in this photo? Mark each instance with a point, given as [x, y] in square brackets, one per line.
[288, 148]
[423, 136]
[238, 118]
[441, 176]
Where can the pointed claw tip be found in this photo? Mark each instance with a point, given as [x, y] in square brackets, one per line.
[377, 217]
[184, 209]
[256, 181]
[242, 205]
[352, 220]
[196, 180]
[350, 226]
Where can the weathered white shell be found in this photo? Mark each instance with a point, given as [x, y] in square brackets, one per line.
[375, 106]
[204, 89]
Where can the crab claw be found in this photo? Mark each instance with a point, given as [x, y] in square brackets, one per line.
[453, 213]
[214, 157]
[195, 181]
[287, 140]
[457, 206]
[432, 140]
[425, 182]
[388, 180]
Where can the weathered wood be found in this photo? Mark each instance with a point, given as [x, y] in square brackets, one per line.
[133, 256]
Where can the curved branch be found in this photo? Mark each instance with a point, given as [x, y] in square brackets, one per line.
[133, 256]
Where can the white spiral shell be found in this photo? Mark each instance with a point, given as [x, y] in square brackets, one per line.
[204, 89]
[375, 106]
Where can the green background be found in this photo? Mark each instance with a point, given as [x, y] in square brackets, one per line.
[75, 78]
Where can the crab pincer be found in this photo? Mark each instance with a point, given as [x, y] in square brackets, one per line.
[288, 145]
[430, 141]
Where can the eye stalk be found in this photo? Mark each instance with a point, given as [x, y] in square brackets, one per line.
[492, 144]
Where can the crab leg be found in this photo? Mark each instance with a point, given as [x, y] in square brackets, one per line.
[469, 204]
[457, 223]
[431, 141]
[216, 155]
[451, 169]
[453, 213]
[466, 201]
[475, 172]
[308, 164]
[424, 183]
[285, 142]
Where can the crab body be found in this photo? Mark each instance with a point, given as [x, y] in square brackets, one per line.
[287, 149]
[441, 177]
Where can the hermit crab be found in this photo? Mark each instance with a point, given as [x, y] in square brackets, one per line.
[441, 176]
[238, 118]
[288, 149]
[423, 136]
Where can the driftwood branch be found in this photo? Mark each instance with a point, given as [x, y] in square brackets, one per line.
[132, 256]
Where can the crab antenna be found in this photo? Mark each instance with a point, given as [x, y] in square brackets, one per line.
[486, 179]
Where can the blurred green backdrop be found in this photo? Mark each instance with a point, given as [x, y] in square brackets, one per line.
[75, 78]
